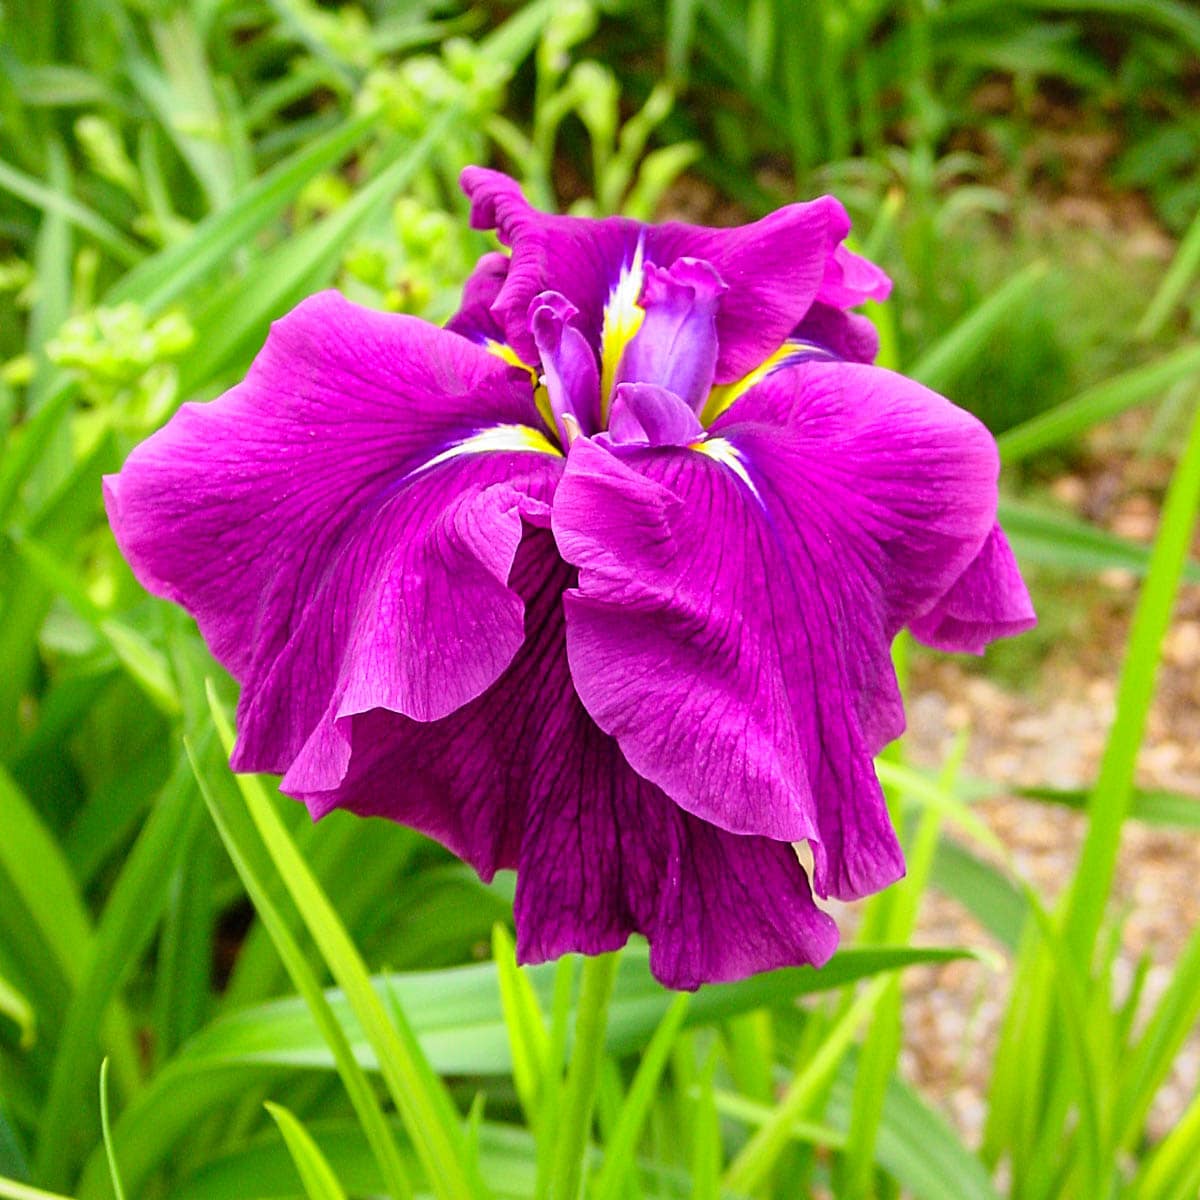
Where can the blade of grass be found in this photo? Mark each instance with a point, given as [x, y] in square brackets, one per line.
[36, 193]
[18, 1010]
[1090, 886]
[758, 1157]
[944, 361]
[1172, 1171]
[1097, 404]
[10, 1189]
[526, 1027]
[41, 882]
[1169, 810]
[707, 1152]
[114, 1172]
[235, 320]
[143, 663]
[126, 925]
[52, 268]
[987, 893]
[253, 866]
[1066, 544]
[315, 1173]
[897, 912]
[1175, 283]
[164, 277]
[456, 1013]
[432, 1122]
[1150, 1060]
[620, 1146]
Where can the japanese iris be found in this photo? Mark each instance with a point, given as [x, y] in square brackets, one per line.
[599, 581]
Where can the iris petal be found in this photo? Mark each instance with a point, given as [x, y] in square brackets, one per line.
[736, 643]
[318, 518]
[651, 415]
[522, 777]
[568, 364]
[774, 268]
[676, 346]
[989, 600]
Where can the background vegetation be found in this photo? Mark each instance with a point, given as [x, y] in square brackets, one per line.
[287, 1010]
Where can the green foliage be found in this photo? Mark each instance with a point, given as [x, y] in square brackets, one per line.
[292, 1010]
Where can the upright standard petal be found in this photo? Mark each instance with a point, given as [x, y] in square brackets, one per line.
[774, 268]
[642, 412]
[676, 346]
[317, 519]
[569, 367]
[522, 777]
[737, 601]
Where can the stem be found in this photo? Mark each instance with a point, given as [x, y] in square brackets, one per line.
[591, 1022]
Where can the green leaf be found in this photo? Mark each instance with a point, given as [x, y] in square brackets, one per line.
[1097, 404]
[1144, 1069]
[234, 321]
[945, 361]
[456, 1015]
[315, 1173]
[126, 925]
[918, 1149]
[114, 1172]
[1172, 1170]
[432, 1122]
[528, 1039]
[1109, 805]
[1169, 810]
[254, 867]
[987, 893]
[10, 1189]
[1174, 285]
[143, 663]
[758, 1157]
[158, 280]
[1066, 544]
[620, 1146]
[18, 1009]
[49, 200]
[39, 878]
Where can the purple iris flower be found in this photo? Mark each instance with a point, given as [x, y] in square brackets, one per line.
[599, 581]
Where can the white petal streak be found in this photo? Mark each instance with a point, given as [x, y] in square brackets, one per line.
[500, 437]
[728, 455]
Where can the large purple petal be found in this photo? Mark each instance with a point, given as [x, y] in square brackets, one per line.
[774, 268]
[989, 600]
[330, 526]
[616, 855]
[465, 779]
[735, 606]
[521, 777]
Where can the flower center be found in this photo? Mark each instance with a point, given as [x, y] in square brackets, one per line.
[652, 381]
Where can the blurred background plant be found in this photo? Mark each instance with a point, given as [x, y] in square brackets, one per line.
[173, 176]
